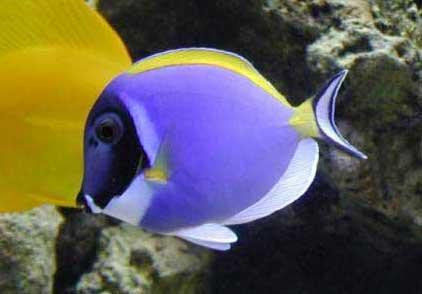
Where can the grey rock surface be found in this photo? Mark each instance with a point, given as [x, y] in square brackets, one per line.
[27, 250]
[133, 261]
[99, 255]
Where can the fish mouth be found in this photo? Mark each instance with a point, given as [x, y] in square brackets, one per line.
[87, 203]
[91, 204]
[81, 202]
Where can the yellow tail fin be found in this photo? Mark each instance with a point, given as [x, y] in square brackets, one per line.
[56, 56]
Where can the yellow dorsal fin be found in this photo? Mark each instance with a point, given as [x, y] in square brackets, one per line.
[56, 56]
[26, 24]
[208, 56]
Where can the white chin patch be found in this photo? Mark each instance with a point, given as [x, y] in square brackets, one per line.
[131, 206]
[91, 204]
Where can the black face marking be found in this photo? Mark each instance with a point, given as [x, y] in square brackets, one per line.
[113, 154]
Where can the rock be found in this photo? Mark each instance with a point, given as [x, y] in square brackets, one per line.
[76, 247]
[400, 18]
[382, 99]
[276, 43]
[97, 254]
[132, 261]
[27, 242]
[92, 3]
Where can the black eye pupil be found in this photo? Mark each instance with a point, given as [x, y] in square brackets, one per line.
[108, 130]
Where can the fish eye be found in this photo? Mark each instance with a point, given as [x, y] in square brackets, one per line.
[109, 128]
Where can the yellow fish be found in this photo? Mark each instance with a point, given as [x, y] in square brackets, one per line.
[56, 56]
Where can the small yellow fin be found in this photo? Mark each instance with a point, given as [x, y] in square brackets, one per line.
[207, 56]
[156, 175]
[159, 172]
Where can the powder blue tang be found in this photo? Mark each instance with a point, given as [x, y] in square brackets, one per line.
[187, 147]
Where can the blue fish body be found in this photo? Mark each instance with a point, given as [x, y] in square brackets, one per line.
[220, 141]
[215, 147]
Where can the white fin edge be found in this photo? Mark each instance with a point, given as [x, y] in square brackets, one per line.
[213, 236]
[294, 182]
[246, 62]
[324, 107]
[210, 245]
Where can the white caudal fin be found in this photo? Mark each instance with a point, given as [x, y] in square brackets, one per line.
[213, 236]
[324, 108]
[292, 184]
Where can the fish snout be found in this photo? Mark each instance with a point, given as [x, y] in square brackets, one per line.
[82, 202]
[87, 203]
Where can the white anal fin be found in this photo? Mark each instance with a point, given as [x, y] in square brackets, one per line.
[293, 183]
[212, 236]
[210, 245]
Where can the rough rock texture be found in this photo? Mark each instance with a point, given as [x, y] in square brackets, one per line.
[76, 248]
[131, 261]
[27, 242]
[244, 26]
[99, 255]
[382, 100]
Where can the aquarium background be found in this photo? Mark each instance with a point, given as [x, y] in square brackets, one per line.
[357, 230]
